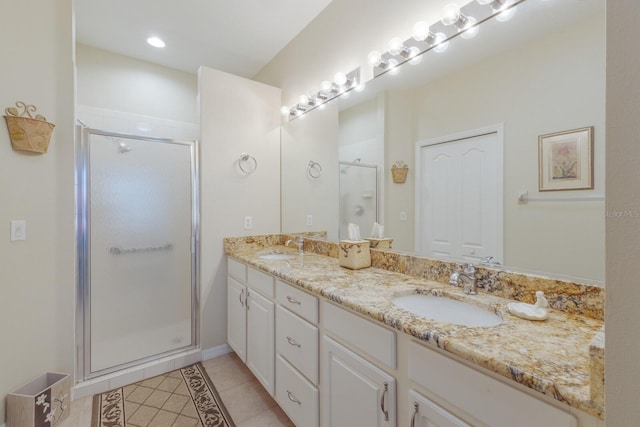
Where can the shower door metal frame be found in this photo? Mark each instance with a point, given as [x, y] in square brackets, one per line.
[83, 234]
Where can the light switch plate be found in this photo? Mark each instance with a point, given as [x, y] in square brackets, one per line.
[18, 230]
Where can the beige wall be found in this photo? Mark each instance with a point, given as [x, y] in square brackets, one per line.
[311, 138]
[116, 82]
[623, 233]
[37, 275]
[237, 116]
[340, 39]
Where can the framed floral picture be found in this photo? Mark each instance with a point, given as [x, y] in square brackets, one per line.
[565, 160]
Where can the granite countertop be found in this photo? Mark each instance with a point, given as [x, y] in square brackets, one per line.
[551, 357]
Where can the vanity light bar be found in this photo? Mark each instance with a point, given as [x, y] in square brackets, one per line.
[342, 83]
[456, 21]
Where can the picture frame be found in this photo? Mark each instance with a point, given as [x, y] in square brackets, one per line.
[565, 160]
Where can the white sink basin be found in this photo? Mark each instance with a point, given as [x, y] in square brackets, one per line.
[277, 256]
[443, 309]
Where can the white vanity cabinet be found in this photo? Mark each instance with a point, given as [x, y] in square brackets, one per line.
[481, 397]
[355, 392]
[237, 317]
[251, 320]
[425, 413]
[297, 355]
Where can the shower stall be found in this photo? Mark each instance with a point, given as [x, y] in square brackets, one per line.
[137, 227]
[358, 196]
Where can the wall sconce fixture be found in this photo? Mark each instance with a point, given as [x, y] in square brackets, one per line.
[342, 83]
[456, 21]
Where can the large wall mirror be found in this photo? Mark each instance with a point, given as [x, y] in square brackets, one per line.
[540, 73]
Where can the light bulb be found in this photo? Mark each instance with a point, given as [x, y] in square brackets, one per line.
[326, 86]
[396, 45]
[284, 110]
[439, 44]
[340, 79]
[451, 14]
[470, 29]
[506, 14]
[374, 58]
[393, 67]
[304, 99]
[156, 42]
[420, 31]
[414, 54]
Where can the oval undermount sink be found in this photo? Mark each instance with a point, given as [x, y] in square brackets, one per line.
[277, 256]
[443, 309]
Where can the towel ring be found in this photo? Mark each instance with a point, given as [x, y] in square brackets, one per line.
[314, 169]
[248, 164]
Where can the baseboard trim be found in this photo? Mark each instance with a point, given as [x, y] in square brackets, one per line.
[216, 351]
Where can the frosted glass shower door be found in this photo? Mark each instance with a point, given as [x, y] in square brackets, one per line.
[358, 197]
[141, 262]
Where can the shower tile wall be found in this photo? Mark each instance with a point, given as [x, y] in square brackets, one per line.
[137, 124]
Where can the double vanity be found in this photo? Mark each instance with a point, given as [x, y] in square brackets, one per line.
[339, 347]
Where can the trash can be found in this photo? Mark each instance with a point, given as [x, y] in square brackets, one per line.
[43, 402]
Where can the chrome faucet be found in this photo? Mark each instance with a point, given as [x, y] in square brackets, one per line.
[300, 244]
[489, 262]
[468, 278]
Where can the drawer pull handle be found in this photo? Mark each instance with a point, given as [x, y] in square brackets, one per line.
[293, 398]
[241, 294]
[293, 301]
[382, 408]
[415, 414]
[293, 342]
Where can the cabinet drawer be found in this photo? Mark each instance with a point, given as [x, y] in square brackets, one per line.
[237, 270]
[261, 282]
[489, 400]
[297, 396]
[373, 340]
[297, 341]
[298, 301]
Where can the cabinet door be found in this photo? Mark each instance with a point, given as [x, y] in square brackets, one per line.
[355, 392]
[261, 339]
[237, 317]
[425, 413]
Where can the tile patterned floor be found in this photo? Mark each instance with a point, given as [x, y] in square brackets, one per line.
[246, 400]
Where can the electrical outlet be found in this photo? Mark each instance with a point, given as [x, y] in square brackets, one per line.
[403, 216]
[18, 230]
[248, 223]
[309, 220]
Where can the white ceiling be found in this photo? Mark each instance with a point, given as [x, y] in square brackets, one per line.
[236, 36]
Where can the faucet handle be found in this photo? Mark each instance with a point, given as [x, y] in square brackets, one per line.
[469, 268]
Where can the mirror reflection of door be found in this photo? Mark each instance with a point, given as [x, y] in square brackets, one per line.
[459, 206]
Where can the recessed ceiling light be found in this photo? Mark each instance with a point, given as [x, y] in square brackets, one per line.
[156, 42]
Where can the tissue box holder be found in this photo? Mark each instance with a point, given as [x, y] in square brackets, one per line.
[355, 254]
[380, 243]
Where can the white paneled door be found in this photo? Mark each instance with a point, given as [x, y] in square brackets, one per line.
[459, 196]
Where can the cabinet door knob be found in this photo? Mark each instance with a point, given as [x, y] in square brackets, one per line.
[293, 398]
[382, 401]
[240, 297]
[293, 300]
[415, 414]
[293, 342]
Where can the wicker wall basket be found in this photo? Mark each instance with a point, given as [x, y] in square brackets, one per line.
[399, 172]
[26, 132]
